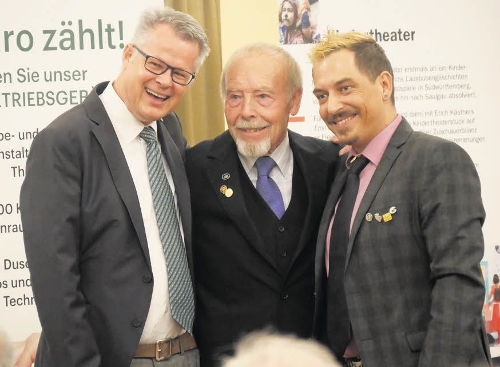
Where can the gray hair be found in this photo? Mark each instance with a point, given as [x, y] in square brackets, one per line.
[268, 349]
[183, 24]
[292, 68]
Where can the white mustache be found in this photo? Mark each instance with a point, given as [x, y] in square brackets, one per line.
[251, 124]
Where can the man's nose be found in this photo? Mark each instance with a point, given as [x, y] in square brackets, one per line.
[165, 78]
[248, 106]
[334, 105]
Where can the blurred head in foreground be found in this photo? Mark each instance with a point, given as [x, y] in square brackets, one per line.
[266, 349]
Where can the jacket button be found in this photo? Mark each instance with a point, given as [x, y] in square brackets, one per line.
[283, 253]
[147, 278]
[284, 295]
[137, 323]
[281, 229]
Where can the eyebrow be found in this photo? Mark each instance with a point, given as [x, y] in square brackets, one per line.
[166, 63]
[336, 84]
[258, 90]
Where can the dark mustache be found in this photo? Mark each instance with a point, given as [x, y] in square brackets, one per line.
[334, 117]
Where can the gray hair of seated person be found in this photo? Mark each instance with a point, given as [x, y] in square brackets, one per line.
[268, 349]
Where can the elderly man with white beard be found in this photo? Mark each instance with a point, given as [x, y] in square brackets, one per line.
[254, 231]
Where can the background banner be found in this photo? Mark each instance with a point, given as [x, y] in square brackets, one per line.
[446, 70]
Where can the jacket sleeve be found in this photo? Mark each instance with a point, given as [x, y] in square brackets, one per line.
[451, 218]
[50, 212]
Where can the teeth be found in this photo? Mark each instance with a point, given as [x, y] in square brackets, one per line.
[254, 130]
[156, 94]
[345, 120]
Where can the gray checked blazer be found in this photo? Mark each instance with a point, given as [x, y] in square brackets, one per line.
[413, 284]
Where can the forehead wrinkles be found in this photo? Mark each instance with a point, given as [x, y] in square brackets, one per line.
[260, 70]
[249, 81]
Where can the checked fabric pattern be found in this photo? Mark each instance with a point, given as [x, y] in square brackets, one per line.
[180, 287]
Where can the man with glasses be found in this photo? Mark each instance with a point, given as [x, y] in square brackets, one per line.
[158, 67]
[97, 235]
[254, 266]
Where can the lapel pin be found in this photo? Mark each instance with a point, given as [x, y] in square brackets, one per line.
[387, 217]
[226, 176]
[223, 189]
[227, 191]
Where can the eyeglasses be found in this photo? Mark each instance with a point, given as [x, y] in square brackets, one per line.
[158, 67]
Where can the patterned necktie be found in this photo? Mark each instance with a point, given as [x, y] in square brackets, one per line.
[266, 186]
[338, 323]
[180, 286]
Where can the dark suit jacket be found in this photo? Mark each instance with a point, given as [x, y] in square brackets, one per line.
[239, 288]
[414, 286]
[85, 240]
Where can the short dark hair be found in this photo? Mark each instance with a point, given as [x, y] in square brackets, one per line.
[369, 56]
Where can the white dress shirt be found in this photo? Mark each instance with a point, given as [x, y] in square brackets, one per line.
[159, 323]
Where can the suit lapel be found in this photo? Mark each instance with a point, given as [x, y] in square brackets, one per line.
[389, 157]
[305, 155]
[106, 136]
[223, 169]
[333, 197]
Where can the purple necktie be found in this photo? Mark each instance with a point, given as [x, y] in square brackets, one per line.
[266, 186]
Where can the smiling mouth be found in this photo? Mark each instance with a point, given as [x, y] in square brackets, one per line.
[157, 95]
[341, 120]
[254, 130]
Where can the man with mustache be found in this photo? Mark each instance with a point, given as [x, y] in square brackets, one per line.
[254, 267]
[404, 283]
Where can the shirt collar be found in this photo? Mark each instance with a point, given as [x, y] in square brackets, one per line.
[282, 155]
[376, 148]
[127, 127]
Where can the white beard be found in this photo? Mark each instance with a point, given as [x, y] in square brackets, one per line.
[254, 150]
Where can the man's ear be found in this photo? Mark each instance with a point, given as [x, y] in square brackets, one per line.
[295, 102]
[127, 52]
[385, 82]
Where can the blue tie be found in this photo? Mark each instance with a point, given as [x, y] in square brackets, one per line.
[179, 280]
[266, 186]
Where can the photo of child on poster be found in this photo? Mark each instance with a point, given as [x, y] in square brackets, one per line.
[297, 21]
